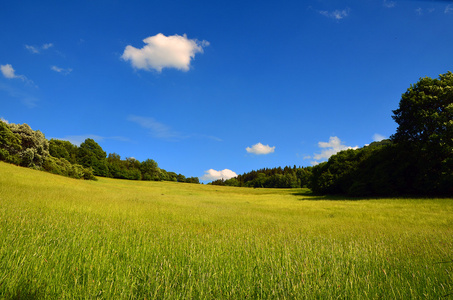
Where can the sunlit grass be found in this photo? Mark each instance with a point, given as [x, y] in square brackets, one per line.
[65, 238]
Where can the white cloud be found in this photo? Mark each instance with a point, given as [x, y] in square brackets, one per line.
[212, 174]
[32, 49]
[333, 146]
[260, 149]
[336, 14]
[8, 71]
[37, 49]
[378, 137]
[160, 52]
[61, 70]
[4, 120]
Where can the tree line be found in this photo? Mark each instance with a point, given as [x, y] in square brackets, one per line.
[416, 160]
[21, 145]
[287, 177]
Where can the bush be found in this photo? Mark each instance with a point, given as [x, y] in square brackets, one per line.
[61, 166]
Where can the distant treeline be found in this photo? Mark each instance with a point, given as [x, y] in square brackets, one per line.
[21, 145]
[287, 177]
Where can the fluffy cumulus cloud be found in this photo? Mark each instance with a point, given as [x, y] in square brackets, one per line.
[162, 51]
[333, 146]
[8, 71]
[260, 149]
[212, 174]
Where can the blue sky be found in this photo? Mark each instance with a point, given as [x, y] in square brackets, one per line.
[210, 88]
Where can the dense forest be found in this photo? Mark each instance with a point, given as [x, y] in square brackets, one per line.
[416, 160]
[21, 145]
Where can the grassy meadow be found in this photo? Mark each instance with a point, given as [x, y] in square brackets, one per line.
[62, 238]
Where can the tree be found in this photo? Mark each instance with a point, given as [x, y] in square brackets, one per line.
[90, 154]
[181, 178]
[35, 147]
[63, 149]
[425, 127]
[192, 180]
[232, 182]
[150, 170]
[10, 144]
[172, 176]
[425, 114]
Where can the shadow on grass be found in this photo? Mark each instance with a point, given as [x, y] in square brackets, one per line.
[310, 196]
[25, 290]
[307, 194]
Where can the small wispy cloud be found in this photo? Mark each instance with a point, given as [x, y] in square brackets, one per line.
[26, 98]
[47, 46]
[212, 174]
[448, 9]
[162, 51]
[4, 120]
[162, 131]
[61, 70]
[155, 128]
[260, 149]
[38, 49]
[335, 14]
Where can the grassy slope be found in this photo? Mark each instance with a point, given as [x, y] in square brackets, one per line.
[65, 238]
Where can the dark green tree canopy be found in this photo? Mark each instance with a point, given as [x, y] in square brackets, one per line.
[425, 113]
[9, 141]
[89, 145]
[63, 149]
[90, 154]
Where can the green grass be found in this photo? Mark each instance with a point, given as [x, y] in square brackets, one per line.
[62, 238]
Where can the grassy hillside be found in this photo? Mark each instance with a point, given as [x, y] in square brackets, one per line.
[65, 238]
